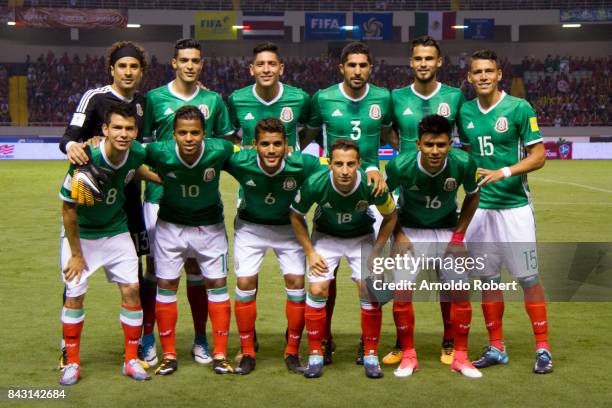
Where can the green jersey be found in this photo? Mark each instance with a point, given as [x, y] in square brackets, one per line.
[291, 106]
[266, 198]
[106, 218]
[338, 214]
[360, 119]
[430, 200]
[409, 107]
[498, 137]
[161, 104]
[190, 192]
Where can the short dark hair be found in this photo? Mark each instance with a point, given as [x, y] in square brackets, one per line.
[124, 110]
[140, 52]
[434, 124]
[189, 113]
[343, 144]
[186, 43]
[355, 47]
[270, 125]
[266, 46]
[425, 41]
[485, 54]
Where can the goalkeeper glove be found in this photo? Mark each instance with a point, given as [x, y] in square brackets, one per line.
[88, 181]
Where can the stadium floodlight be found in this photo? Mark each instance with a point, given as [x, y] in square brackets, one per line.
[348, 28]
[241, 27]
[571, 25]
[133, 26]
[11, 23]
[459, 27]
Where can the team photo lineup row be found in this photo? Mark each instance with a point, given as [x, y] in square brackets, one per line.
[181, 222]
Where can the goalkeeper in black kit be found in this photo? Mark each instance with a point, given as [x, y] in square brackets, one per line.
[126, 63]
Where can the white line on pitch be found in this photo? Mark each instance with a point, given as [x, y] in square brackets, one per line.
[538, 202]
[603, 190]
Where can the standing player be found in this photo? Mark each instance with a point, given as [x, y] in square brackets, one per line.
[98, 236]
[190, 225]
[269, 178]
[126, 63]
[268, 97]
[502, 133]
[410, 104]
[359, 111]
[342, 227]
[161, 105]
[428, 180]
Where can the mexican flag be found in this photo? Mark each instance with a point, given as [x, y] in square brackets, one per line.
[437, 24]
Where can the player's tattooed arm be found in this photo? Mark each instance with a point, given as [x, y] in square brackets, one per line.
[380, 185]
[144, 173]
[316, 263]
[536, 158]
[76, 263]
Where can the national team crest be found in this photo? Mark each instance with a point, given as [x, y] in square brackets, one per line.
[450, 184]
[286, 114]
[502, 124]
[129, 176]
[205, 111]
[139, 109]
[444, 109]
[209, 174]
[289, 184]
[362, 205]
[375, 112]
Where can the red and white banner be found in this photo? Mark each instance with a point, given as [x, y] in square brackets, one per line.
[263, 25]
[71, 18]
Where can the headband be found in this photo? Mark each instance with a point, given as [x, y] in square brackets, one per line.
[127, 51]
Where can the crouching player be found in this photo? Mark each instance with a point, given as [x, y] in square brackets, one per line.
[342, 227]
[98, 236]
[269, 178]
[190, 225]
[428, 179]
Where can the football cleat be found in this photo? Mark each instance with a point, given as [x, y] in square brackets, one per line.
[247, 364]
[70, 374]
[408, 364]
[461, 364]
[134, 369]
[314, 369]
[199, 352]
[147, 352]
[360, 353]
[328, 347]
[491, 356]
[221, 365]
[393, 357]
[63, 360]
[372, 367]
[543, 362]
[168, 366]
[293, 363]
[447, 352]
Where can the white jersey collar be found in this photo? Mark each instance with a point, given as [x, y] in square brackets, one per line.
[106, 159]
[425, 170]
[282, 166]
[485, 111]
[182, 98]
[438, 87]
[195, 163]
[281, 89]
[341, 87]
[118, 95]
[357, 183]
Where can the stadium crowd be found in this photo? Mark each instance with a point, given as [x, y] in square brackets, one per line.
[564, 91]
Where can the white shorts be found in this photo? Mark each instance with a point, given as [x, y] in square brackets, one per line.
[430, 247]
[150, 211]
[332, 249]
[175, 243]
[251, 241]
[514, 229]
[115, 254]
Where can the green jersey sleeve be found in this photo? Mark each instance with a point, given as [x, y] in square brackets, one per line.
[303, 199]
[316, 120]
[391, 175]
[66, 188]
[470, 184]
[148, 120]
[387, 119]
[222, 125]
[527, 120]
[305, 111]
[233, 115]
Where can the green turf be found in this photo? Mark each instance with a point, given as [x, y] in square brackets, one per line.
[31, 300]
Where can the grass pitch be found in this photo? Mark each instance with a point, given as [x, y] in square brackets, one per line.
[573, 201]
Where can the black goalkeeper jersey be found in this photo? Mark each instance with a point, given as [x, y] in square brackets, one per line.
[87, 119]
